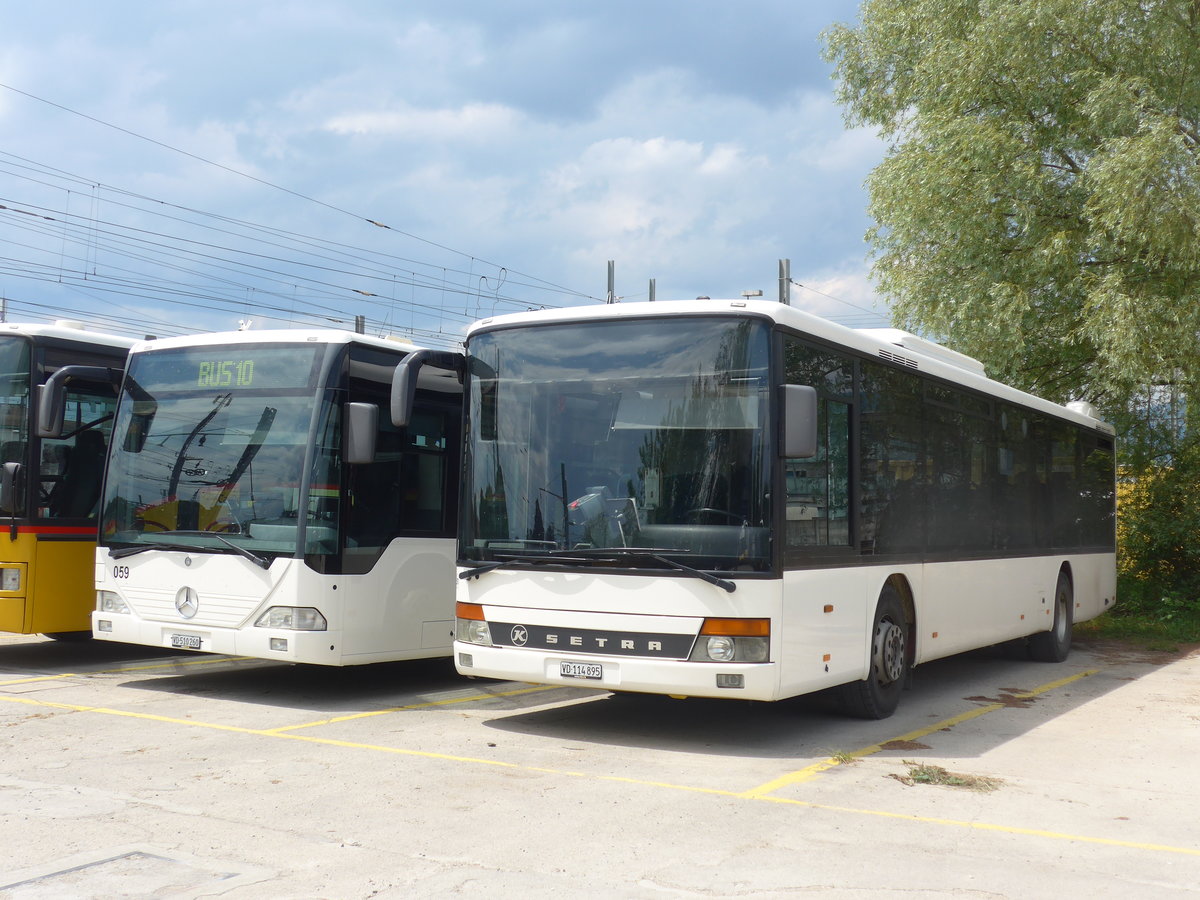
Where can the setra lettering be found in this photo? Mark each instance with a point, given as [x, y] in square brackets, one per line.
[597, 642]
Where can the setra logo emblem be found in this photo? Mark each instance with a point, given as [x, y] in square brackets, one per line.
[187, 602]
[520, 635]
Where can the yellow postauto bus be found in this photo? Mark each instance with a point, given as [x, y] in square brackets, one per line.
[50, 487]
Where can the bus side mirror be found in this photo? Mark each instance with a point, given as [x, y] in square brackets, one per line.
[362, 426]
[798, 431]
[488, 426]
[11, 489]
[404, 379]
[51, 408]
[52, 396]
[141, 417]
[139, 428]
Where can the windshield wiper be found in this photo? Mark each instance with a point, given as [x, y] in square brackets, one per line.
[551, 556]
[134, 549]
[259, 561]
[565, 556]
[655, 553]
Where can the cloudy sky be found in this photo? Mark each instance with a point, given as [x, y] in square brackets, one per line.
[190, 164]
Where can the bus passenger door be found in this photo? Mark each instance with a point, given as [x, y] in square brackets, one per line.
[67, 495]
[823, 604]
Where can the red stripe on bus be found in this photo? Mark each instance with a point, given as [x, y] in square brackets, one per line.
[55, 529]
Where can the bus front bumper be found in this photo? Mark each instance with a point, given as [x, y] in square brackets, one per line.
[738, 681]
[319, 647]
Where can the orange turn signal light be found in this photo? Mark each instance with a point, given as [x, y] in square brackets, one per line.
[468, 611]
[736, 627]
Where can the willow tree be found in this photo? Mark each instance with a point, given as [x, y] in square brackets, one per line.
[1039, 208]
[1039, 203]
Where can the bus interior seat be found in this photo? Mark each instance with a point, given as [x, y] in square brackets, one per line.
[77, 494]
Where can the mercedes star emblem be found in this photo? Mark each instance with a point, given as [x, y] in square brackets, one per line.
[187, 602]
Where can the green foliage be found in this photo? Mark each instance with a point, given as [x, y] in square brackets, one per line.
[1159, 529]
[1154, 619]
[1039, 207]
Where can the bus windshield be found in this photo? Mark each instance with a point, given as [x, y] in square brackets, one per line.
[211, 448]
[630, 439]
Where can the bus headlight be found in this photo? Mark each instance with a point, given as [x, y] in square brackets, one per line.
[722, 649]
[293, 618]
[733, 640]
[473, 631]
[110, 602]
[470, 627]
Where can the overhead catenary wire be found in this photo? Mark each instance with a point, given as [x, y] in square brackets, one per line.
[358, 216]
[196, 259]
[874, 314]
[157, 207]
[178, 243]
[124, 241]
[189, 257]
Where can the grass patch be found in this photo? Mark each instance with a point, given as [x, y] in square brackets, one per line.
[1143, 631]
[920, 773]
[1155, 620]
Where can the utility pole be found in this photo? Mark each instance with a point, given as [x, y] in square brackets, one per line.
[611, 296]
[785, 282]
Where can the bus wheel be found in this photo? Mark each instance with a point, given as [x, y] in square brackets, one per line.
[878, 695]
[1055, 644]
[69, 635]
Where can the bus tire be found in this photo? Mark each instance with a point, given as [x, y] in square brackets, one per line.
[69, 636]
[1055, 644]
[878, 695]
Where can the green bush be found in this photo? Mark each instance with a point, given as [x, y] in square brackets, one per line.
[1159, 535]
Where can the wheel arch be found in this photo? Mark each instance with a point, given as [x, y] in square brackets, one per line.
[1065, 569]
[902, 586]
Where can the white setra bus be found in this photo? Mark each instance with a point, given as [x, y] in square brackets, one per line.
[739, 499]
[256, 502]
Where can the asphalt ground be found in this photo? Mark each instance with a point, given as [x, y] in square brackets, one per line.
[129, 772]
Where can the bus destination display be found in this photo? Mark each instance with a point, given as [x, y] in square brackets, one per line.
[226, 373]
[250, 368]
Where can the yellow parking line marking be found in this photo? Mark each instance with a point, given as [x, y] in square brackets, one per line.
[207, 661]
[810, 772]
[988, 826]
[36, 678]
[429, 704]
[237, 729]
[732, 795]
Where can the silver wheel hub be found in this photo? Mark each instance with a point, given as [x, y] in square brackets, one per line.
[889, 651]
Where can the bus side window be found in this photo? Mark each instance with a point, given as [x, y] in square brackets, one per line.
[817, 490]
[892, 474]
[73, 467]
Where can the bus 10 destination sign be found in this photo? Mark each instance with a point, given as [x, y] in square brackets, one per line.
[226, 373]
